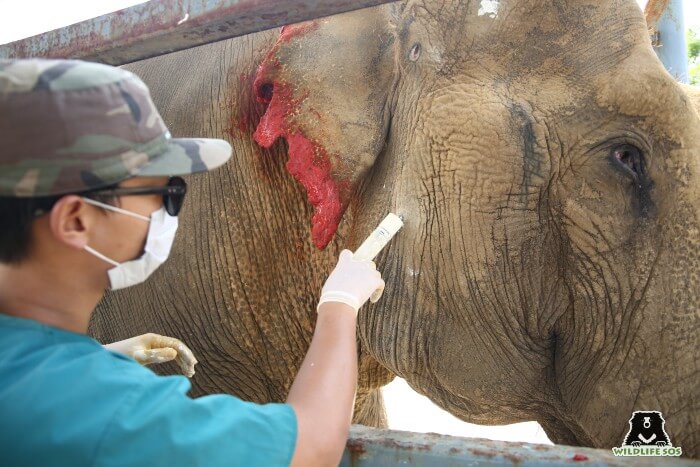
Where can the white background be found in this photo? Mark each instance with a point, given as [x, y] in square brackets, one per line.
[407, 410]
[26, 18]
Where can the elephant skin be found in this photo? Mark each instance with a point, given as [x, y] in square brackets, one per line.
[546, 166]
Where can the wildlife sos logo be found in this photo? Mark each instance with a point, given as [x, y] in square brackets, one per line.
[647, 437]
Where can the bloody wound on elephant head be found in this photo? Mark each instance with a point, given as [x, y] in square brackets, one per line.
[309, 162]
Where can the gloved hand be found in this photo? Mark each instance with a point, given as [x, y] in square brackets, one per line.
[154, 348]
[352, 282]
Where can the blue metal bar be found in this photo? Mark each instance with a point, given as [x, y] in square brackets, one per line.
[670, 43]
[371, 447]
[162, 26]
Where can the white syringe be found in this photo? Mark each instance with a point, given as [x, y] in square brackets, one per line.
[378, 239]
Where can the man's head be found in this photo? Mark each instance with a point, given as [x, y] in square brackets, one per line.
[72, 133]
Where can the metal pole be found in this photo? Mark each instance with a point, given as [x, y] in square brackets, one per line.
[162, 26]
[371, 447]
[668, 36]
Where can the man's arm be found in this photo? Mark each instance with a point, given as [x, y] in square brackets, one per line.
[323, 392]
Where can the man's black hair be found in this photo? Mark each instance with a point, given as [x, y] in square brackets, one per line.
[16, 218]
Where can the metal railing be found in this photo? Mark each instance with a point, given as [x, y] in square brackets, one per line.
[163, 26]
[666, 21]
[371, 447]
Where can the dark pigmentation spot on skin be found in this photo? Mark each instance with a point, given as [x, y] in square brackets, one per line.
[532, 165]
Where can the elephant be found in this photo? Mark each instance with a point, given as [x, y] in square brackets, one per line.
[546, 168]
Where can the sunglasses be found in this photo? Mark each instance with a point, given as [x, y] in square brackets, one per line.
[173, 193]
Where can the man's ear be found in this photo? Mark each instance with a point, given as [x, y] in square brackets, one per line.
[69, 220]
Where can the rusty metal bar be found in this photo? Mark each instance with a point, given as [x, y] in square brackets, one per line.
[162, 26]
[371, 447]
[653, 11]
[666, 21]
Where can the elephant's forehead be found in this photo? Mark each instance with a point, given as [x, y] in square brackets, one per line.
[460, 120]
[526, 35]
[638, 87]
[478, 138]
[466, 113]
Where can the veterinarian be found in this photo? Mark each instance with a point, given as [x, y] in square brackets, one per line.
[90, 190]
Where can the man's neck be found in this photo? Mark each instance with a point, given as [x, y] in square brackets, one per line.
[41, 293]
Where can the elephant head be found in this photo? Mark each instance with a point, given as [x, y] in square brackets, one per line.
[334, 134]
[546, 166]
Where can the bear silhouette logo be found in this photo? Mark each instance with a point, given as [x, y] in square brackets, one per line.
[647, 429]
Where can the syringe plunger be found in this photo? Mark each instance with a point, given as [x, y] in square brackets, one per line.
[378, 239]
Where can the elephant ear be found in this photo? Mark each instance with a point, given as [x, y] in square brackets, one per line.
[326, 85]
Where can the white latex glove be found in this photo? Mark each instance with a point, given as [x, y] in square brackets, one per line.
[352, 282]
[154, 348]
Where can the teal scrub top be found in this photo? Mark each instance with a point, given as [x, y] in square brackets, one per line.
[67, 401]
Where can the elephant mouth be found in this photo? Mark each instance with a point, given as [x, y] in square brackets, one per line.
[309, 162]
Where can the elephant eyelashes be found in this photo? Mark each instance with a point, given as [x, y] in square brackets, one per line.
[631, 160]
[414, 54]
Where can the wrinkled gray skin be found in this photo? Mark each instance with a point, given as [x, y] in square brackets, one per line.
[243, 279]
[547, 169]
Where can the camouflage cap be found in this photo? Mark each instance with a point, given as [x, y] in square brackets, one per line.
[68, 126]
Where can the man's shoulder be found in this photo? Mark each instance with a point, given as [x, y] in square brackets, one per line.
[59, 392]
[22, 341]
[38, 361]
[38, 352]
[73, 400]
[41, 355]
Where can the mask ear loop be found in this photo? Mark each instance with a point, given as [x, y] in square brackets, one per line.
[116, 209]
[101, 256]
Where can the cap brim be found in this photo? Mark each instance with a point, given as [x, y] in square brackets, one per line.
[187, 156]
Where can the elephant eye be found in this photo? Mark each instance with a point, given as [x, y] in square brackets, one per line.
[414, 54]
[631, 159]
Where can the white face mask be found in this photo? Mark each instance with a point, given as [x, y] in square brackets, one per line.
[161, 235]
